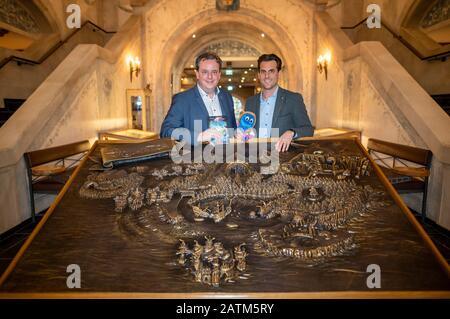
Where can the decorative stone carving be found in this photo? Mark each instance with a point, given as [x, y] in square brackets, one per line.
[107, 86]
[11, 12]
[232, 48]
[439, 12]
[227, 5]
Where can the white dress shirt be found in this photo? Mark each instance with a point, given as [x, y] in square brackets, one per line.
[212, 104]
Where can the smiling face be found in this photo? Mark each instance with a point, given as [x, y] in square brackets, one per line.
[208, 75]
[268, 75]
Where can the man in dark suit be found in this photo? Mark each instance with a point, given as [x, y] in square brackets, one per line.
[276, 107]
[191, 109]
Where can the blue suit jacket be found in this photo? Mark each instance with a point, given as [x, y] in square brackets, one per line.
[188, 106]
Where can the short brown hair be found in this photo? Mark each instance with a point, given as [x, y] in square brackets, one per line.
[208, 56]
[270, 57]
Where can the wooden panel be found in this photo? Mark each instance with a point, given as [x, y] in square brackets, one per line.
[74, 225]
[412, 171]
[128, 134]
[58, 152]
[413, 154]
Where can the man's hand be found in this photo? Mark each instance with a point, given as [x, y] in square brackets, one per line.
[204, 136]
[210, 135]
[284, 141]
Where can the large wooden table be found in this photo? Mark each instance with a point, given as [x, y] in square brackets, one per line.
[133, 253]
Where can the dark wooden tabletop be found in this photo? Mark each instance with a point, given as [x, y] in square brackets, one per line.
[133, 253]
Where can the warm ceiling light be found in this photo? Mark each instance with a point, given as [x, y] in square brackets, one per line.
[263, 35]
[229, 80]
[251, 65]
[193, 36]
[245, 72]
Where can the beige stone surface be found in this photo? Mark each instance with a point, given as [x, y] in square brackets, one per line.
[350, 12]
[382, 100]
[14, 197]
[83, 95]
[19, 82]
[432, 76]
[288, 24]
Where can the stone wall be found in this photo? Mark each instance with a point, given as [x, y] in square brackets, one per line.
[85, 94]
[168, 39]
[431, 75]
[19, 81]
[383, 101]
[350, 12]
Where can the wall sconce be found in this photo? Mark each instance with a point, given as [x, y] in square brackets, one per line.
[322, 63]
[135, 67]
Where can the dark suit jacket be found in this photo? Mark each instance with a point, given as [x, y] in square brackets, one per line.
[188, 106]
[289, 113]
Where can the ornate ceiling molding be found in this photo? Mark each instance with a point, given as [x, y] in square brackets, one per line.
[232, 48]
[439, 12]
[12, 13]
[227, 5]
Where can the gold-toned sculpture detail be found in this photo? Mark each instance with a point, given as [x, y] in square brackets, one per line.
[110, 184]
[299, 211]
[211, 263]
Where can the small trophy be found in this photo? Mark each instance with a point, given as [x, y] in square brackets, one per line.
[218, 130]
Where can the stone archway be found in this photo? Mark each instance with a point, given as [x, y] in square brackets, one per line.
[249, 36]
[244, 26]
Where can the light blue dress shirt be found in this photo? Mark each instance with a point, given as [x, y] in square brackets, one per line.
[266, 114]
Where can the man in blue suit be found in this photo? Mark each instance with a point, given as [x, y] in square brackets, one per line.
[199, 103]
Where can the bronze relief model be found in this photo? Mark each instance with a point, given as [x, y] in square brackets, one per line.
[314, 224]
[302, 208]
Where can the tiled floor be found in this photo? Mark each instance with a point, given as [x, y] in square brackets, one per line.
[11, 243]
